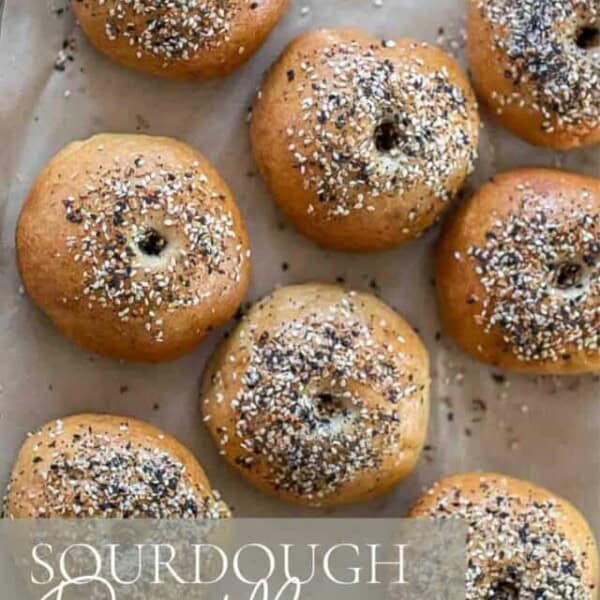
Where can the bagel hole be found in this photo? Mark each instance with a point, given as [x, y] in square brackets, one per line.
[568, 275]
[327, 406]
[331, 411]
[504, 590]
[588, 37]
[387, 136]
[151, 243]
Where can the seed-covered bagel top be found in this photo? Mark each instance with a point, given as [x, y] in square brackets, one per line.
[98, 466]
[311, 394]
[179, 39]
[550, 51]
[541, 276]
[374, 125]
[363, 141]
[518, 272]
[112, 238]
[522, 542]
[137, 237]
[169, 29]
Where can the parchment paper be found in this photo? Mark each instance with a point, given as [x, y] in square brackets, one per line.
[546, 430]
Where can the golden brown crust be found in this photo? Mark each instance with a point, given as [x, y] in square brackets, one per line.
[80, 256]
[362, 216]
[182, 51]
[304, 355]
[67, 450]
[509, 88]
[479, 280]
[492, 503]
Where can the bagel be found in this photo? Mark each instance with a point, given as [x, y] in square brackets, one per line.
[101, 466]
[522, 541]
[518, 273]
[320, 396]
[133, 246]
[179, 39]
[362, 143]
[536, 65]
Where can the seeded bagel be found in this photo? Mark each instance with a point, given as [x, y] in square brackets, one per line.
[362, 143]
[320, 396]
[522, 541]
[133, 246]
[101, 466]
[179, 39]
[518, 273]
[536, 65]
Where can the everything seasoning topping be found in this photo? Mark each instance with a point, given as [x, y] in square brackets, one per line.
[97, 474]
[150, 240]
[169, 29]
[373, 127]
[302, 409]
[541, 275]
[545, 43]
[515, 549]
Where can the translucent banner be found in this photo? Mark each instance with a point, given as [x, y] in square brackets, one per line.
[233, 559]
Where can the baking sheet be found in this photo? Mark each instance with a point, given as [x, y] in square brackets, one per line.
[544, 429]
